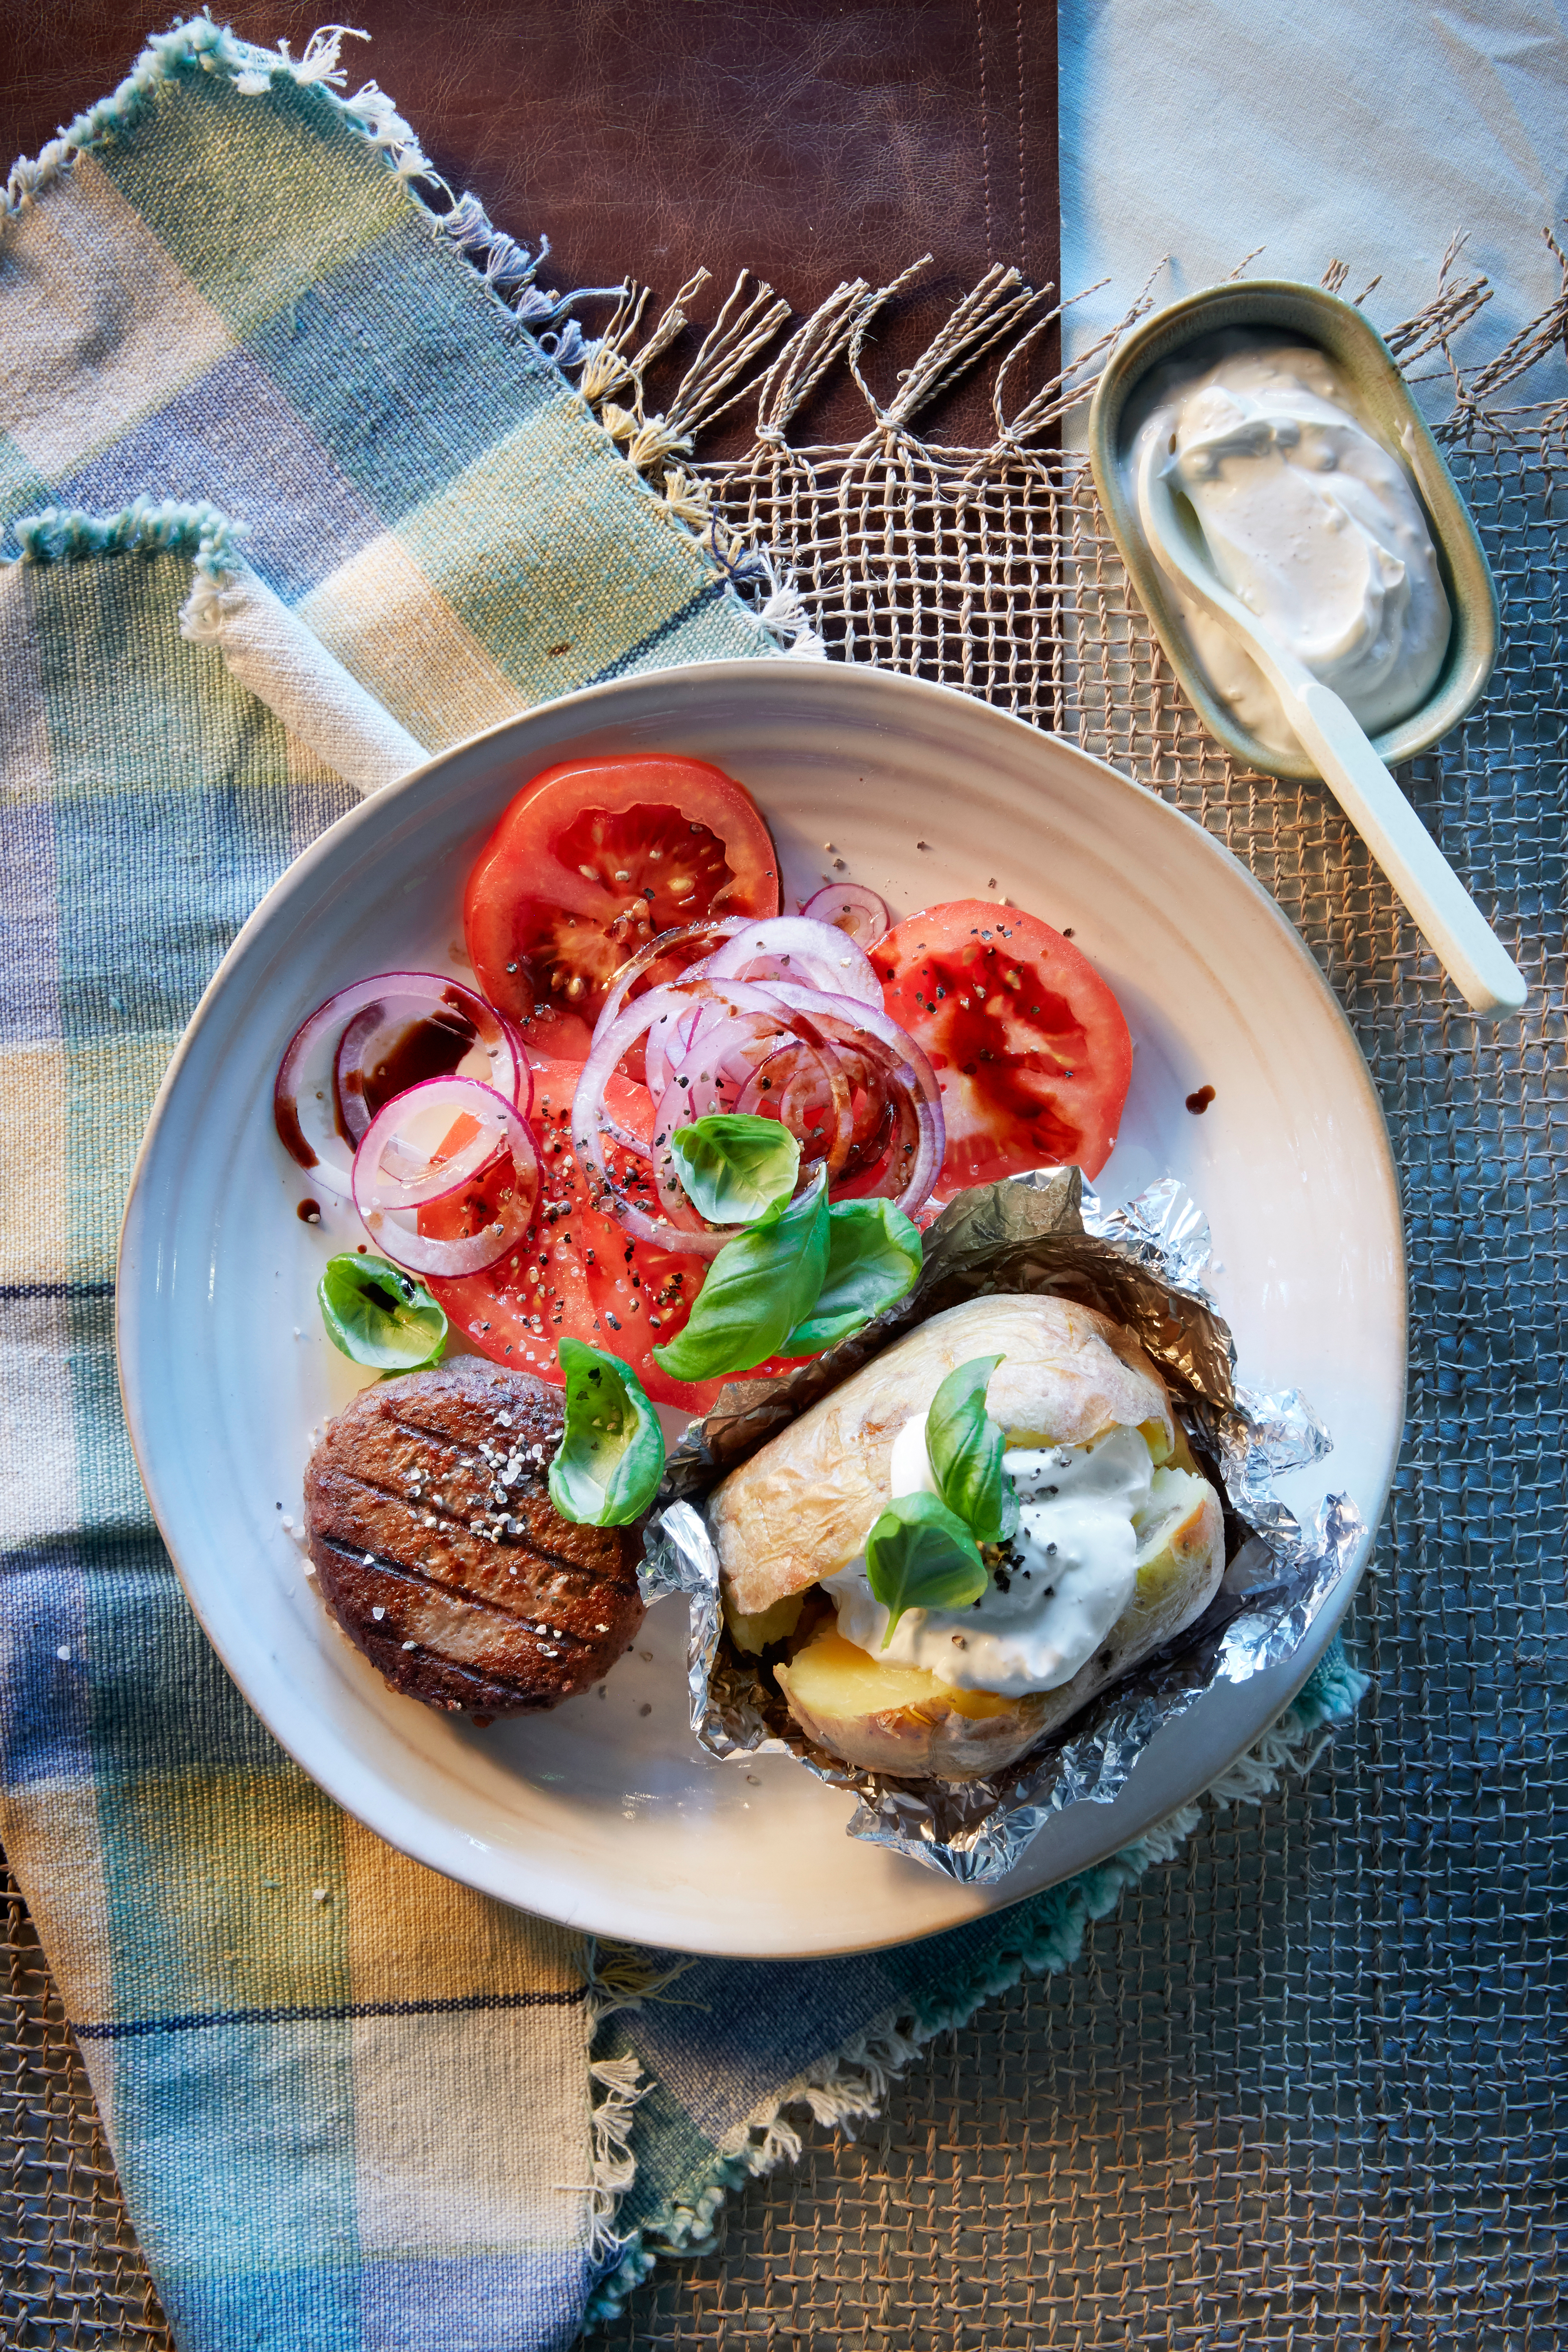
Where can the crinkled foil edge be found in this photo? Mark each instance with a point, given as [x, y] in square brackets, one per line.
[1146, 1264]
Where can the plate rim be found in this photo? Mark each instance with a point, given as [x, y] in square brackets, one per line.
[599, 701]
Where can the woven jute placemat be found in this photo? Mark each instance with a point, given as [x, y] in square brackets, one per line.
[1306, 2088]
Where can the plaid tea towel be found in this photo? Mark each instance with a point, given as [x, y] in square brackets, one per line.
[354, 2108]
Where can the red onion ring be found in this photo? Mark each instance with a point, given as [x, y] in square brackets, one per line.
[494, 1053]
[664, 1053]
[852, 908]
[655, 1053]
[670, 1192]
[392, 1172]
[795, 1080]
[303, 1097]
[858, 1046]
[888, 1175]
[868, 1078]
[717, 927]
[816, 1073]
[882, 1157]
[795, 947]
[590, 1123]
[717, 1067]
[377, 1198]
[874, 1114]
[849, 1022]
[760, 1095]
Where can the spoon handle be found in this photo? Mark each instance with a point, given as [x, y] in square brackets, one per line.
[1452, 924]
[1465, 943]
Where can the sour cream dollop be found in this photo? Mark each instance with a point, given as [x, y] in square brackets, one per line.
[1312, 522]
[1042, 1615]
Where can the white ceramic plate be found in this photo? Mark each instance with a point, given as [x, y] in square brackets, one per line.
[605, 1813]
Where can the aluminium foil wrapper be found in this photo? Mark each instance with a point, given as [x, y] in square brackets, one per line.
[1144, 1265]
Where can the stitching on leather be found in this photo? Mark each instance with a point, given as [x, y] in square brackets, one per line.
[985, 129]
[1023, 197]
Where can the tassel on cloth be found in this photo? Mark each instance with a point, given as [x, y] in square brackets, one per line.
[1435, 325]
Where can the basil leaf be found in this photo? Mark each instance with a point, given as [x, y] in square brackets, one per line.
[612, 1454]
[734, 1168]
[919, 1556]
[757, 1288]
[874, 1257]
[379, 1315]
[966, 1447]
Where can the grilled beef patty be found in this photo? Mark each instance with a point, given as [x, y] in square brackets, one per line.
[439, 1552]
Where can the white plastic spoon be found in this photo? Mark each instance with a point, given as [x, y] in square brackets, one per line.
[1452, 924]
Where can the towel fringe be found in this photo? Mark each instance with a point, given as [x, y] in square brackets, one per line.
[622, 1976]
[1434, 326]
[1535, 340]
[689, 499]
[606, 366]
[612, 365]
[620, 2084]
[1072, 383]
[1336, 277]
[990, 313]
[706, 392]
[709, 389]
[147, 525]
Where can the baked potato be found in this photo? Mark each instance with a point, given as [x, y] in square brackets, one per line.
[800, 1511]
[799, 1508]
[900, 1720]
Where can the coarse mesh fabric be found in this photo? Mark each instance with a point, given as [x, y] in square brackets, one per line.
[1304, 2088]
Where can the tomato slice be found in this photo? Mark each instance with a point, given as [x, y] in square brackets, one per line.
[577, 1271]
[1029, 1044]
[516, 1311]
[591, 861]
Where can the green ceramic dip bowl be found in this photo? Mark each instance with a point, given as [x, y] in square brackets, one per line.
[1304, 314]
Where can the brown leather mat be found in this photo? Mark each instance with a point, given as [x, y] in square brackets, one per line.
[809, 141]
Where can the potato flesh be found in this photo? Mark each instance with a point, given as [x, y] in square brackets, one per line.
[835, 1674]
[904, 1720]
[901, 1719]
[756, 1632]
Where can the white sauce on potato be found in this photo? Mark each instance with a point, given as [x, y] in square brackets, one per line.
[1071, 1573]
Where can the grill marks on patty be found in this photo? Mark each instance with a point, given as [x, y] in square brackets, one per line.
[427, 1500]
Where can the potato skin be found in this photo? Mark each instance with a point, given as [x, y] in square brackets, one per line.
[799, 1509]
[928, 1731]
